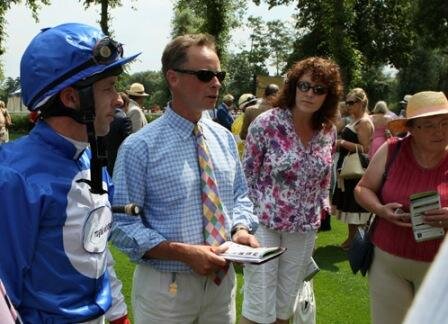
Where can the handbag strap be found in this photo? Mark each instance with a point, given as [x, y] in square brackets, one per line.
[389, 162]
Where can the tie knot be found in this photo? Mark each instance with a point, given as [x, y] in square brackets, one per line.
[197, 130]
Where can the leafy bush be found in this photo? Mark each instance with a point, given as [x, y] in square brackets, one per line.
[151, 117]
[20, 123]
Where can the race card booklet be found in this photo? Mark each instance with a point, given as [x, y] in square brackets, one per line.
[246, 254]
[419, 203]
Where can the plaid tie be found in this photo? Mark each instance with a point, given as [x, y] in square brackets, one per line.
[214, 220]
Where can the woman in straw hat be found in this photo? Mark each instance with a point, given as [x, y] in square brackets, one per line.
[417, 163]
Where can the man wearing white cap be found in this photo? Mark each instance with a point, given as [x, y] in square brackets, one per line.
[135, 113]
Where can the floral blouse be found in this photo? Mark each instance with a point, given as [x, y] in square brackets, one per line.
[288, 182]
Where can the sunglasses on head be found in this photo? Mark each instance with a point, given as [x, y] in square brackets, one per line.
[204, 75]
[317, 89]
[106, 51]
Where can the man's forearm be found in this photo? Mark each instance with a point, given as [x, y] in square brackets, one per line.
[168, 250]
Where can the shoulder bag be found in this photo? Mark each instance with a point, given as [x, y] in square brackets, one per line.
[360, 253]
[351, 166]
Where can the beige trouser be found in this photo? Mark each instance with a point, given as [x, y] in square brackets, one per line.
[197, 299]
[271, 288]
[393, 282]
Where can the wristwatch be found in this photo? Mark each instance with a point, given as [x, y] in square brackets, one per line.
[237, 228]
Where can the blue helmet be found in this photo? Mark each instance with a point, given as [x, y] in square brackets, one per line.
[61, 56]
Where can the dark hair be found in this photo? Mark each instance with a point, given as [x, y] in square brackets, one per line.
[270, 90]
[124, 96]
[175, 53]
[323, 70]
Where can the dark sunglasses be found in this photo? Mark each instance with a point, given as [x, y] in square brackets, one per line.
[204, 75]
[317, 89]
[351, 102]
[106, 51]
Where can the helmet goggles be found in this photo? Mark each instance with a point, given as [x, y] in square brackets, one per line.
[107, 51]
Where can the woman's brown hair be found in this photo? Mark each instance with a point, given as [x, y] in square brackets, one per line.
[324, 71]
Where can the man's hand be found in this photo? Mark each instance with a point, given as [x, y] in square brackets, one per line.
[203, 259]
[243, 237]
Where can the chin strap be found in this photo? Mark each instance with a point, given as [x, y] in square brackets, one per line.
[86, 115]
[98, 159]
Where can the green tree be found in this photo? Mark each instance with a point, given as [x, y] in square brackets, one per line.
[431, 22]
[259, 45]
[215, 17]
[270, 44]
[154, 84]
[378, 85]
[185, 22]
[427, 70]
[383, 30]
[280, 39]
[105, 16]
[5, 5]
[241, 76]
[274, 3]
[9, 86]
[355, 33]
[323, 27]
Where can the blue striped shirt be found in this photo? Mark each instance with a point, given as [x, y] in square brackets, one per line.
[157, 168]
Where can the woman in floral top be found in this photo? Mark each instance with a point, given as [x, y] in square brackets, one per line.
[287, 163]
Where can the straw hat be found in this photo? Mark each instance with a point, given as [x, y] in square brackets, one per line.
[228, 98]
[137, 90]
[246, 99]
[422, 104]
[405, 99]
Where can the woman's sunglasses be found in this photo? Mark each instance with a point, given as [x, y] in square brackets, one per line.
[204, 75]
[317, 89]
[351, 102]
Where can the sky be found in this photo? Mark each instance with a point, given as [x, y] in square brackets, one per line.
[145, 29]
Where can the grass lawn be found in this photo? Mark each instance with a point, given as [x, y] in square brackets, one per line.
[14, 135]
[341, 297]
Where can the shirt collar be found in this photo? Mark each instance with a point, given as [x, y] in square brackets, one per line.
[181, 125]
[79, 146]
[58, 142]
